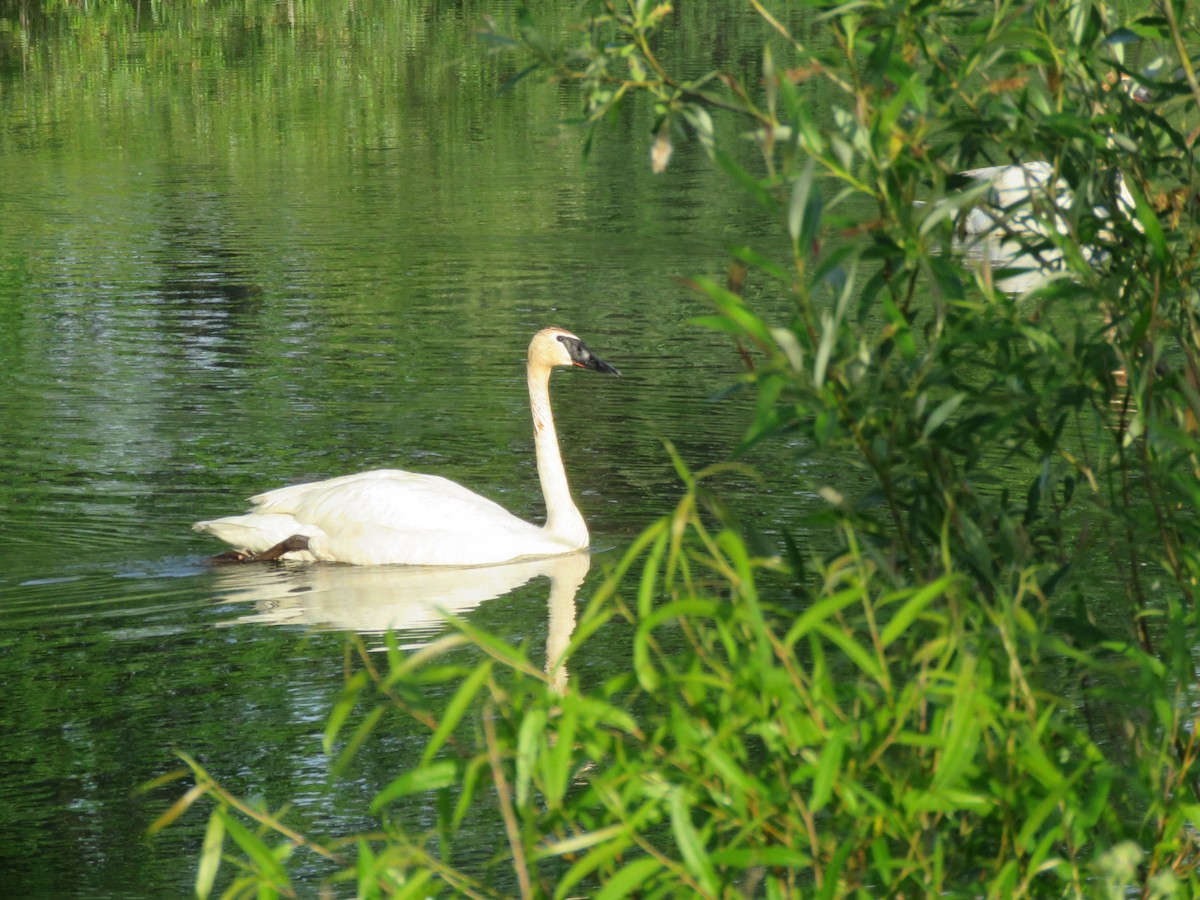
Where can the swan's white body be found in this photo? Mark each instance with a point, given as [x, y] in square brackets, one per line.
[1018, 192]
[1028, 197]
[389, 516]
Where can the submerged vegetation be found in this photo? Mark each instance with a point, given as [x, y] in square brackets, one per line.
[916, 694]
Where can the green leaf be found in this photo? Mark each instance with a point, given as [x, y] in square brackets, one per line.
[496, 647]
[457, 708]
[829, 332]
[581, 841]
[471, 780]
[361, 733]
[178, 808]
[951, 205]
[697, 116]
[512, 82]
[829, 764]
[722, 324]
[744, 784]
[753, 258]
[256, 850]
[417, 660]
[210, 854]
[687, 838]
[1035, 818]
[647, 676]
[416, 886]
[732, 306]
[901, 332]
[365, 868]
[961, 729]
[647, 584]
[804, 213]
[820, 611]
[832, 871]
[859, 654]
[749, 857]
[912, 608]
[629, 879]
[529, 738]
[342, 709]
[603, 714]
[556, 765]
[612, 842]
[770, 80]
[745, 180]
[1148, 219]
[941, 413]
[432, 777]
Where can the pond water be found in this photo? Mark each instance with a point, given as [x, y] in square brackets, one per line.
[247, 247]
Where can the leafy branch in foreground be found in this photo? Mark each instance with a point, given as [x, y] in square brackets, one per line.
[899, 736]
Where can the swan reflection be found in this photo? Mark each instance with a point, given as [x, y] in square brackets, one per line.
[408, 600]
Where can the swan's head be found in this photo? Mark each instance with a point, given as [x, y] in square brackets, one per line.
[556, 347]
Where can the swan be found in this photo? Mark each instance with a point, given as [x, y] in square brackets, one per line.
[389, 516]
[1015, 191]
[1013, 194]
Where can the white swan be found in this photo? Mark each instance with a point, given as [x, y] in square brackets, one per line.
[1014, 194]
[388, 516]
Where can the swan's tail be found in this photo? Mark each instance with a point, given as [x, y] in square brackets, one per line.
[255, 532]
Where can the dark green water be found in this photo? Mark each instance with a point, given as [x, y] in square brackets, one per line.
[246, 246]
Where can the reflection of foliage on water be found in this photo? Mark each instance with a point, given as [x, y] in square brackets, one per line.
[949, 710]
[195, 61]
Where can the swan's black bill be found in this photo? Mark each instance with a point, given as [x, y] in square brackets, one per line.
[584, 358]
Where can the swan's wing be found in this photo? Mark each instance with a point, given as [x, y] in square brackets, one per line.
[1036, 172]
[284, 499]
[388, 499]
[986, 173]
[387, 516]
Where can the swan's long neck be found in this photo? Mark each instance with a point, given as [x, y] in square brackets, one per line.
[563, 521]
